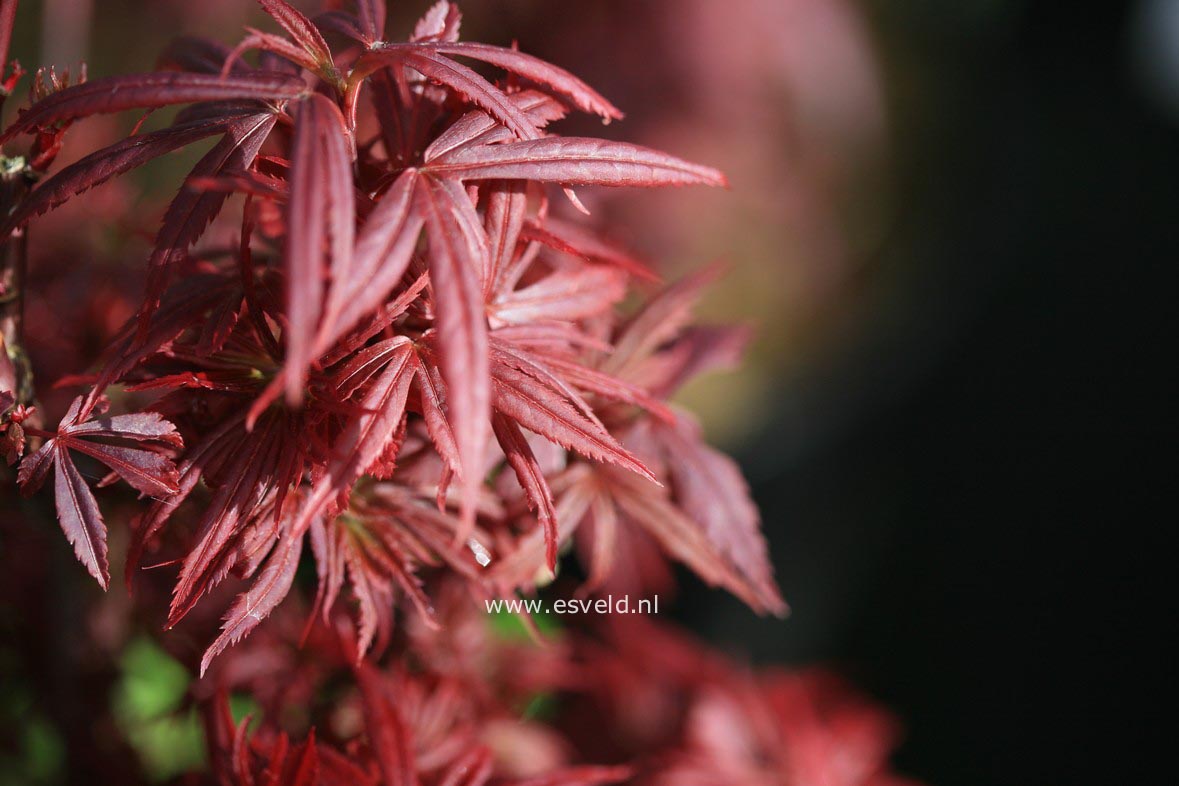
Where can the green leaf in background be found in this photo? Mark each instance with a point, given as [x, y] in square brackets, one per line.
[147, 702]
[508, 626]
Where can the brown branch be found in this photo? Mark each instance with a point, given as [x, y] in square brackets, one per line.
[15, 180]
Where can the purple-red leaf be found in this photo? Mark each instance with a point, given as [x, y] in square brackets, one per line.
[381, 256]
[191, 211]
[372, 18]
[709, 487]
[81, 521]
[96, 168]
[456, 264]
[478, 127]
[149, 472]
[578, 161]
[531, 477]
[252, 606]
[544, 410]
[320, 219]
[565, 295]
[144, 91]
[454, 75]
[301, 29]
[557, 79]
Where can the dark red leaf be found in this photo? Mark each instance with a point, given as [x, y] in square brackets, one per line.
[464, 81]
[381, 257]
[81, 521]
[546, 411]
[320, 220]
[300, 28]
[391, 741]
[267, 592]
[191, 211]
[96, 168]
[143, 91]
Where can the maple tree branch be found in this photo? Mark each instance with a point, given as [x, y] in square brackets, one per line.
[15, 181]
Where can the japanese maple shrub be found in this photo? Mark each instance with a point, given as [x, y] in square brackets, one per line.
[405, 364]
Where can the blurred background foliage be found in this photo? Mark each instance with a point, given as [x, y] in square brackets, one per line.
[948, 223]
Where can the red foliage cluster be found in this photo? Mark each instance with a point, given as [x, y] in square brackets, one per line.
[409, 365]
[652, 704]
[401, 312]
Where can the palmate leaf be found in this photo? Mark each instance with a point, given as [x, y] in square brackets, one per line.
[574, 161]
[77, 510]
[478, 127]
[380, 258]
[366, 436]
[192, 210]
[565, 295]
[540, 406]
[437, 67]
[710, 489]
[379, 543]
[146, 91]
[250, 475]
[253, 606]
[96, 168]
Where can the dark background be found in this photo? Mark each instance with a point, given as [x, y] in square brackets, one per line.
[967, 503]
